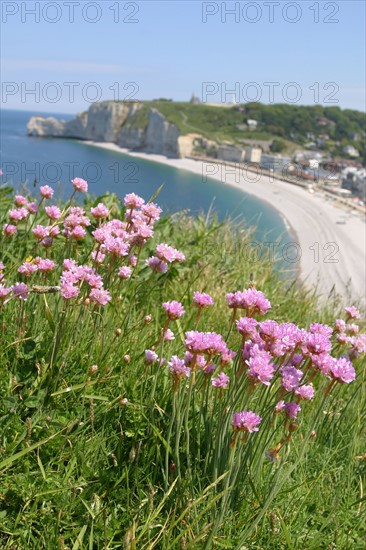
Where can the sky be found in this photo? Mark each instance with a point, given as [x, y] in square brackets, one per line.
[60, 56]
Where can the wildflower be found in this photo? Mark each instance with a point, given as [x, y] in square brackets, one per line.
[93, 369]
[100, 211]
[247, 327]
[124, 272]
[9, 230]
[150, 356]
[318, 328]
[27, 269]
[352, 312]
[20, 200]
[80, 185]
[209, 343]
[202, 300]
[352, 328]
[168, 335]
[132, 260]
[148, 319]
[178, 368]
[4, 291]
[222, 381]
[246, 421]
[323, 362]
[260, 367]
[226, 357]
[69, 291]
[251, 300]
[46, 192]
[342, 370]
[292, 410]
[18, 214]
[41, 231]
[168, 254]
[157, 265]
[46, 265]
[32, 208]
[316, 343]
[305, 392]
[53, 212]
[151, 211]
[132, 200]
[100, 296]
[291, 378]
[21, 291]
[173, 309]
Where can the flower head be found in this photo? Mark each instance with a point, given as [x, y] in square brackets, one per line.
[80, 185]
[246, 421]
[173, 309]
[202, 300]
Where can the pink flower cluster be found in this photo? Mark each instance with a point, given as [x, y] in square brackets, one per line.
[251, 300]
[164, 255]
[246, 421]
[74, 276]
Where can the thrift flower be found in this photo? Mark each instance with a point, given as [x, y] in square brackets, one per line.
[222, 381]
[80, 185]
[246, 421]
[202, 300]
[150, 356]
[173, 309]
[46, 191]
[21, 291]
[352, 312]
[342, 370]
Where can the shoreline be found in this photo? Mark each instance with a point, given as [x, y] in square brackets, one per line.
[330, 241]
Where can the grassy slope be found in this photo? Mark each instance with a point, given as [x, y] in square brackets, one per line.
[80, 465]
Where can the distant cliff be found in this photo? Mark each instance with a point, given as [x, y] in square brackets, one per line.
[131, 125]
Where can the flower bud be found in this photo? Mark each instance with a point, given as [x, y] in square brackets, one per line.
[148, 318]
[126, 358]
[118, 332]
[93, 369]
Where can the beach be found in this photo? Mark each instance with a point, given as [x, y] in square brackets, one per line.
[329, 244]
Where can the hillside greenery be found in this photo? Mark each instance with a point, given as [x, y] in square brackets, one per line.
[106, 446]
[295, 125]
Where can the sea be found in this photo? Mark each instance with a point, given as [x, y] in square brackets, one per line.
[55, 161]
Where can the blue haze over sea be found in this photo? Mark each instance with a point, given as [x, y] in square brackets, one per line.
[53, 160]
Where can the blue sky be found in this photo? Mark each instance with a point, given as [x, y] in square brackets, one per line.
[311, 52]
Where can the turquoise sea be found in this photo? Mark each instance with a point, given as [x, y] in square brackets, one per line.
[56, 161]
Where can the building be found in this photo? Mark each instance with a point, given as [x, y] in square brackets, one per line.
[351, 151]
[277, 163]
[230, 153]
[253, 154]
[252, 124]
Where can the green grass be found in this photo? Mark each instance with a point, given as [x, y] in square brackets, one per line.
[114, 458]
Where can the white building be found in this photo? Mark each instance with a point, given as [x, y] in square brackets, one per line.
[351, 151]
[253, 154]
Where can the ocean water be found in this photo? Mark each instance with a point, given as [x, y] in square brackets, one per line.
[56, 161]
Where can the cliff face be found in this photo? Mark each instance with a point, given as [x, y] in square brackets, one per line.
[114, 122]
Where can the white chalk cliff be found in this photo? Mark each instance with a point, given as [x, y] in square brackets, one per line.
[118, 122]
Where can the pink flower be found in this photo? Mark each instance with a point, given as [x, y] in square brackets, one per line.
[291, 378]
[202, 300]
[305, 392]
[27, 269]
[246, 421]
[252, 300]
[100, 211]
[100, 296]
[209, 343]
[9, 230]
[133, 201]
[340, 325]
[53, 212]
[80, 185]
[21, 291]
[342, 370]
[352, 312]
[32, 208]
[124, 272]
[157, 265]
[20, 200]
[247, 327]
[41, 231]
[4, 291]
[45, 265]
[173, 309]
[222, 381]
[292, 410]
[260, 367]
[18, 214]
[69, 291]
[178, 368]
[151, 210]
[46, 191]
[168, 335]
[150, 356]
[78, 232]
